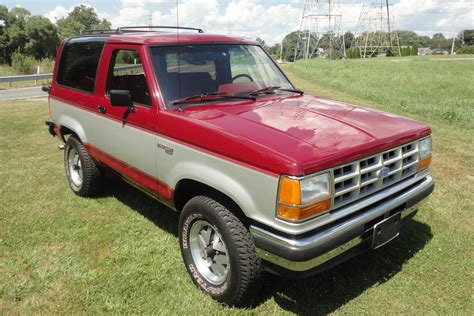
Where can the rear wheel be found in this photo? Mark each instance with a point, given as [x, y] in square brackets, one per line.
[218, 251]
[83, 174]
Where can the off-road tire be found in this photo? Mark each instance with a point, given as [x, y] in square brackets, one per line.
[92, 176]
[245, 266]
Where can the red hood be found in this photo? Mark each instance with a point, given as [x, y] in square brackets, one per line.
[297, 135]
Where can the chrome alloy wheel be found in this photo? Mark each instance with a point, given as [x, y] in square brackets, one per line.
[75, 167]
[209, 252]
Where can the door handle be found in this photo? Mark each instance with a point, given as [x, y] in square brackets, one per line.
[102, 109]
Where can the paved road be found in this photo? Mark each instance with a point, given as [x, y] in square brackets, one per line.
[23, 93]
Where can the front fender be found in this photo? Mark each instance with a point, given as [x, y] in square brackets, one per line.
[220, 181]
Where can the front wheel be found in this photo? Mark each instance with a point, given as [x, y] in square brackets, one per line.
[218, 251]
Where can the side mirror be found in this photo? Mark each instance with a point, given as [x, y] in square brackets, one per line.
[121, 98]
[46, 89]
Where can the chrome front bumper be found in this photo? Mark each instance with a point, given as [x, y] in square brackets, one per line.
[307, 252]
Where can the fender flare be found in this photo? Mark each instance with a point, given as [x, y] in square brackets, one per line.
[220, 181]
[73, 125]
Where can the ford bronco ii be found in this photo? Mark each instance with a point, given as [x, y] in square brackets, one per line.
[263, 176]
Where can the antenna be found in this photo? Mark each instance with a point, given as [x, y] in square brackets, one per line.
[180, 108]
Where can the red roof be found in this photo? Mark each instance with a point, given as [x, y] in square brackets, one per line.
[172, 38]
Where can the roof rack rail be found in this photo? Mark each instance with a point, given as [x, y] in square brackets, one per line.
[147, 28]
[86, 32]
[133, 29]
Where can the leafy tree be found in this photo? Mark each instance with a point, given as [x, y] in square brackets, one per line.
[275, 50]
[81, 18]
[3, 35]
[424, 41]
[24, 33]
[42, 37]
[19, 13]
[407, 38]
[468, 37]
[439, 41]
[290, 44]
[16, 37]
[468, 49]
[349, 38]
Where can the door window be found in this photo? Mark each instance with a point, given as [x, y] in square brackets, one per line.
[126, 73]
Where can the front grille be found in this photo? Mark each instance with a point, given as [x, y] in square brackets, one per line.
[357, 179]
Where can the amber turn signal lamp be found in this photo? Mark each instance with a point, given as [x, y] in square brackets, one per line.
[295, 213]
[290, 192]
[424, 163]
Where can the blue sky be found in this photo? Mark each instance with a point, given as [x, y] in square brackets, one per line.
[270, 20]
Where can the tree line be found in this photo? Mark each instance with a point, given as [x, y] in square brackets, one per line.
[23, 34]
[409, 43]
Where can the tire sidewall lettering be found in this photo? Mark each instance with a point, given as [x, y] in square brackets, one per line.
[187, 228]
[199, 280]
[208, 288]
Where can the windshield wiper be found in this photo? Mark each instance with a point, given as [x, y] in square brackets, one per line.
[271, 89]
[203, 97]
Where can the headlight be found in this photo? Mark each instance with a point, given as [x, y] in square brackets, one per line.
[425, 148]
[299, 199]
[314, 188]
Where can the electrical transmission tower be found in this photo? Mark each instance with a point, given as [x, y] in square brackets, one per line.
[319, 28]
[374, 32]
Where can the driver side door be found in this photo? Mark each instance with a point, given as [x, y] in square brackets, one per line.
[126, 135]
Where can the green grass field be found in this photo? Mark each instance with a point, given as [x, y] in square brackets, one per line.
[119, 252]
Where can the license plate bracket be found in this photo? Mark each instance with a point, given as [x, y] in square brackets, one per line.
[386, 230]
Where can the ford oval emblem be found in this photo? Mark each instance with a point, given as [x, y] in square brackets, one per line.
[382, 172]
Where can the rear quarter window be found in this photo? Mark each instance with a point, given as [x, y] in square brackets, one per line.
[78, 65]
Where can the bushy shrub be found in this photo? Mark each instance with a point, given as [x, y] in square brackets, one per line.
[353, 53]
[469, 49]
[23, 64]
[46, 65]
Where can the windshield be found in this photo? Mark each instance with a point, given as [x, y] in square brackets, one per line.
[203, 69]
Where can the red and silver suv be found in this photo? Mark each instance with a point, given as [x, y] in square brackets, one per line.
[263, 177]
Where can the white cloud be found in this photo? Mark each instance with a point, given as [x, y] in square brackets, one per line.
[434, 16]
[57, 13]
[61, 12]
[248, 18]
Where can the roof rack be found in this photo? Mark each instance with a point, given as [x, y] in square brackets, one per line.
[89, 32]
[132, 29]
[148, 28]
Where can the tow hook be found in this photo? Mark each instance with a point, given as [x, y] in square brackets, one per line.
[61, 147]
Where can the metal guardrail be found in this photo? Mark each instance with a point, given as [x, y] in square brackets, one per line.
[11, 79]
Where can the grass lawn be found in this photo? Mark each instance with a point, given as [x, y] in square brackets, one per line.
[119, 252]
